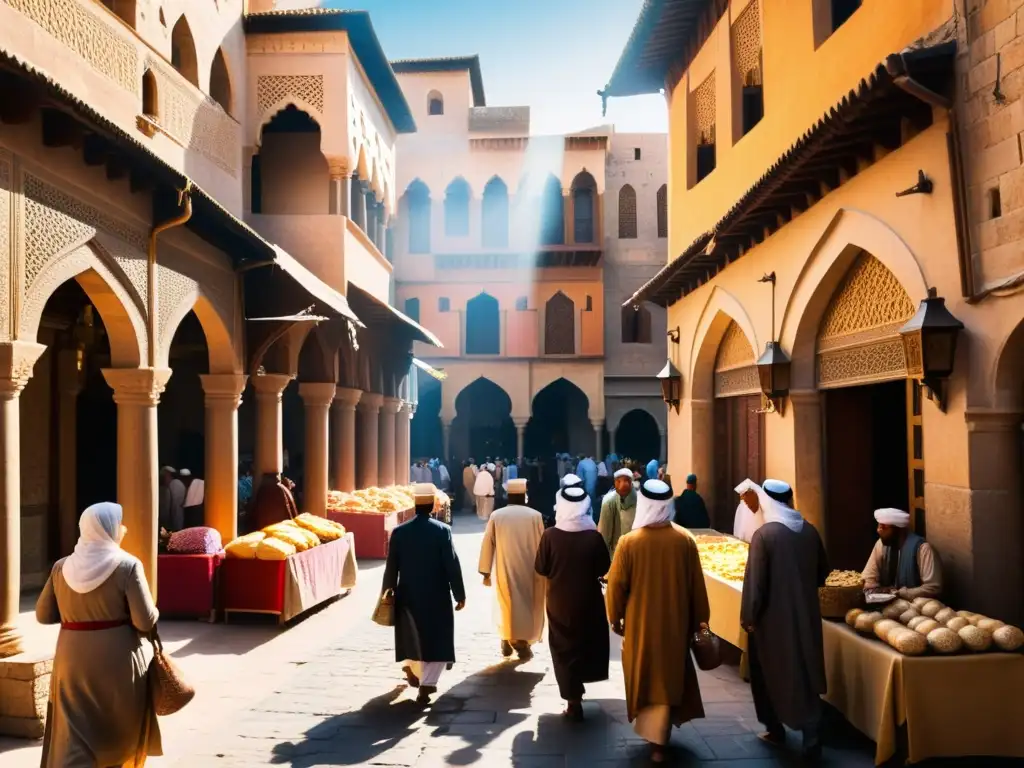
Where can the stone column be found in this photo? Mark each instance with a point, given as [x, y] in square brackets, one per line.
[808, 485]
[403, 457]
[317, 399]
[598, 425]
[340, 180]
[663, 448]
[382, 228]
[386, 441]
[137, 393]
[223, 396]
[702, 455]
[269, 388]
[611, 441]
[520, 436]
[369, 438]
[69, 384]
[16, 362]
[344, 443]
[446, 432]
[357, 202]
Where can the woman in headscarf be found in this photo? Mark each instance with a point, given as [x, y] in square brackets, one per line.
[656, 600]
[573, 557]
[100, 712]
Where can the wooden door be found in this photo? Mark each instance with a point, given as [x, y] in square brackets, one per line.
[739, 453]
[849, 526]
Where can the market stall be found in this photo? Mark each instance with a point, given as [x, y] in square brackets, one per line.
[188, 585]
[288, 568]
[372, 513]
[723, 560]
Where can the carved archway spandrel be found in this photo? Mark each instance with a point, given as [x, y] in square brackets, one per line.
[734, 351]
[869, 300]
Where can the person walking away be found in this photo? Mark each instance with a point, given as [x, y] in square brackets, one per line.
[100, 712]
[690, 509]
[781, 614]
[587, 469]
[652, 469]
[273, 503]
[423, 572]
[901, 562]
[656, 599]
[750, 512]
[483, 490]
[195, 495]
[618, 509]
[468, 480]
[573, 558]
[604, 479]
[509, 550]
[164, 498]
[446, 479]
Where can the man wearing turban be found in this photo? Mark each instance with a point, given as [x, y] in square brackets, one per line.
[901, 562]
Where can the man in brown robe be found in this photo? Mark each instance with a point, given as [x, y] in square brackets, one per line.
[657, 600]
[273, 503]
[573, 557]
[782, 616]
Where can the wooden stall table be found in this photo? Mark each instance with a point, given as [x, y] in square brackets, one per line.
[289, 587]
[952, 706]
[188, 585]
[372, 529]
[725, 599]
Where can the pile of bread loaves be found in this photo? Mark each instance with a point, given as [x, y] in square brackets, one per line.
[280, 540]
[926, 624]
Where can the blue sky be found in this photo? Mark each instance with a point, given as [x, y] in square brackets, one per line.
[551, 55]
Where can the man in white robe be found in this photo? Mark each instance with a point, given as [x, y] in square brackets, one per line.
[750, 512]
[483, 490]
[509, 552]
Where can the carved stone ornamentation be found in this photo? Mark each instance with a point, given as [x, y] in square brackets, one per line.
[17, 359]
[737, 381]
[881, 361]
[172, 289]
[704, 109]
[6, 226]
[746, 36]
[734, 351]
[273, 89]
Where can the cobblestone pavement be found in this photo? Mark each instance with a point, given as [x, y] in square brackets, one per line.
[347, 705]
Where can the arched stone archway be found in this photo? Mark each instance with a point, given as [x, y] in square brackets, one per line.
[291, 175]
[638, 436]
[483, 425]
[559, 421]
[223, 358]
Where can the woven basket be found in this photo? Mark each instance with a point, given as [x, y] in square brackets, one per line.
[836, 602]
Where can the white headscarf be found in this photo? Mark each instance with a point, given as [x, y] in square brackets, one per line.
[98, 551]
[572, 511]
[896, 517]
[571, 480]
[778, 511]
[195, 493]
[654, 505]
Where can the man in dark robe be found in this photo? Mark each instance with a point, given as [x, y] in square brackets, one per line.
[273, 503]
[690, 509]
[901, 562]
[573, 558]
[424, 574]
[781, 613]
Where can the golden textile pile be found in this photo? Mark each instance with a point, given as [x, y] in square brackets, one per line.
[278, 541]
[724, 556]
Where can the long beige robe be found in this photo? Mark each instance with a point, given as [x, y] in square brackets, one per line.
[510, 547]
[656, 587]
[100, 711]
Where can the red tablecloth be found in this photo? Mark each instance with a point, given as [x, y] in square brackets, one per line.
[286, 587]
[373, 531]
[188, 585]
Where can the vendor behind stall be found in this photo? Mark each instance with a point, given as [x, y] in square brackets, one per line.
[901, 561]
[273, 502]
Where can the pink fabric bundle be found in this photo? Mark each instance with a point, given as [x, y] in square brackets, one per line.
[195, 541]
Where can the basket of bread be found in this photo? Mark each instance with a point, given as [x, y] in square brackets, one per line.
[843, 591]
[926, 625]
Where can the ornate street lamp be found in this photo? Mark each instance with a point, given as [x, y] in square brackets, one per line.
[671, 385]
[773, 367]
[929, 345]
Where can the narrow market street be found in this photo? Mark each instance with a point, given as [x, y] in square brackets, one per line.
[345, 704]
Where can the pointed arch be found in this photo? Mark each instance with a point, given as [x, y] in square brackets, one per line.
[220, 81]
[417, 205]
[150, 95]
[627, 213]
[584, 208]
[456, 208]
[215, 329]
[183, 51]
[722, 308]
[559, 325]
[294, 176]
[435, 103]
[494, 223]
[483, 325]
[662, 201]
[552, 218]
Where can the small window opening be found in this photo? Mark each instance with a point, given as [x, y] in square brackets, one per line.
[444, 305]
[412, 309]
[705, 155]
[842, 10]
[636, 153]
[753, 101]
[995, 203]
[522, 304]
[435, 103]
[150, 102]
[589, 305]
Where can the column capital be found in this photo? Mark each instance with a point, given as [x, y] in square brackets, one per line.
[347, 397]
[316, 393]
[520, 421]
[393, 404]
[337, 166]
[17, 359]
[371, 402]
[137, 386]
[597, 423]
[406, 409]
[270, 385]
[224, 388]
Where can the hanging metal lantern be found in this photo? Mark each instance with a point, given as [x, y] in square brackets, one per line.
[671, 385]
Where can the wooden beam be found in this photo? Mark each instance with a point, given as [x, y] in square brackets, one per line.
[18, 102]
[60, 129]
[117, 168]
[95, 150]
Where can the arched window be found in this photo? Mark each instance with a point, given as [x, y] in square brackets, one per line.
[495, 214]
[663, 210]
[294, 175]
[552, 226]
[220, 82]
[183, 51]
[435, 103]
[412, 309]
[150, 99]
[456, 208]
[584, 192]
[627, 213]
[636, 325]
[483, 326]
[560, 326]
[417, 199]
